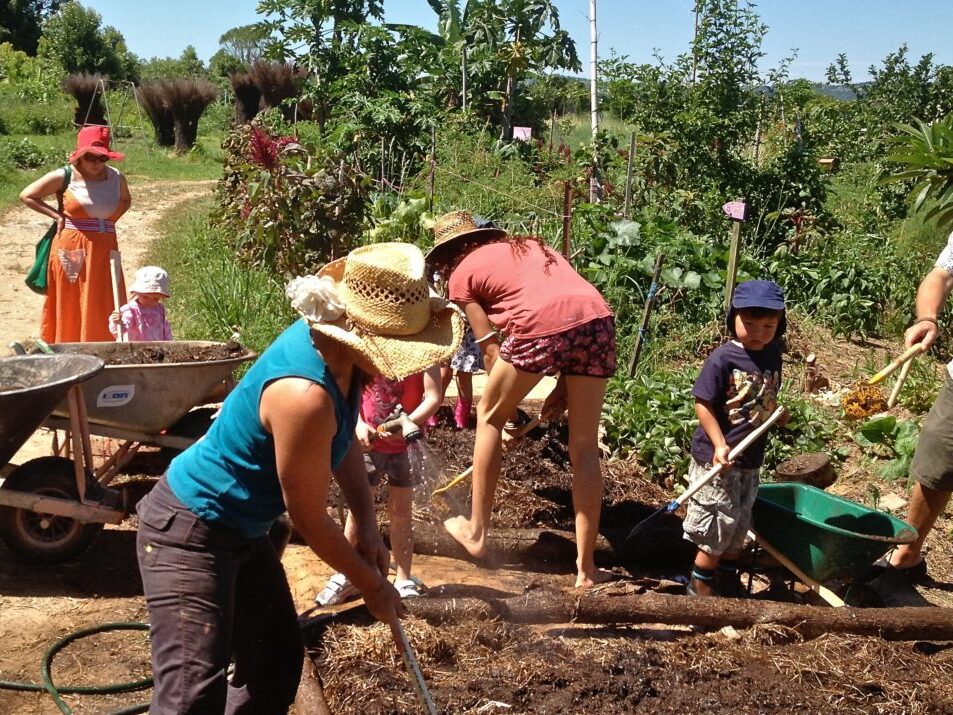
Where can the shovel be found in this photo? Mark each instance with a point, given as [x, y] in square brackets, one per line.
[905, 357]
[709, 475]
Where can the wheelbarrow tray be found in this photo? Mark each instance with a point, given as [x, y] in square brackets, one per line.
[30, 387]
[826, 536]
[147, 398]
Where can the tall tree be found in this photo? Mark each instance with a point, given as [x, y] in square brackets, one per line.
[75, 39]
[527, 36]
[21, 22]
[246, 43]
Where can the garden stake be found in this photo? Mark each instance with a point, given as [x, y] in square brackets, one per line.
[413, 668]
[647, 313]
[711, 474]
[832, 598]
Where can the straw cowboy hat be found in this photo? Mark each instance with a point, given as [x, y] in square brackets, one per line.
[377, 302]
[453, 226]
[94, 139]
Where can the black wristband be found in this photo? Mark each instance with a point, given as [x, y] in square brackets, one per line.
[928, 320]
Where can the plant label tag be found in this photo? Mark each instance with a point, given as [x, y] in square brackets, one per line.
[736, 210]
[115, 395]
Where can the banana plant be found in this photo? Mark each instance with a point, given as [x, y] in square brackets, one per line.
[926, 153]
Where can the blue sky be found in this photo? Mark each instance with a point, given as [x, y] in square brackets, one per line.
[866, 30]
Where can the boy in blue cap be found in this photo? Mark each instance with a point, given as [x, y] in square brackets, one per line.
[735, 392]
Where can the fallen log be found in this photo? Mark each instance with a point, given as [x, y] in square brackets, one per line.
[555, 548]
[617, 604]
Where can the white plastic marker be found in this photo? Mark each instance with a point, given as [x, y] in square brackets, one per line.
[710, 474]
[416, 676]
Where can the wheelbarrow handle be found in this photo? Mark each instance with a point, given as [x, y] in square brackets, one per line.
[907, 354]
[832, 598]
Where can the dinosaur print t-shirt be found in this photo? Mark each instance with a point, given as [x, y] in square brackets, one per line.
[742, 387]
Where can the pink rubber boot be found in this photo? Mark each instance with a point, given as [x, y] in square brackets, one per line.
[461, 413]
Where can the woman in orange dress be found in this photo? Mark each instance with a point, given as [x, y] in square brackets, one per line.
[79, 296]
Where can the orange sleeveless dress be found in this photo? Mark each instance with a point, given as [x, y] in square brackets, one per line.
[79, 296]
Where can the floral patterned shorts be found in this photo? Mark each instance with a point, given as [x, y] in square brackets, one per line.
[587, 349]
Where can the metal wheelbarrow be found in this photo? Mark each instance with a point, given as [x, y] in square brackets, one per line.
[137, 404]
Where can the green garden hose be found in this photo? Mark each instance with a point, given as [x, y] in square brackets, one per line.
[109, 689]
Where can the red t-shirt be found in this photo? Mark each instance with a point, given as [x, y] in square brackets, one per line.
[522, 296]
[378, 401]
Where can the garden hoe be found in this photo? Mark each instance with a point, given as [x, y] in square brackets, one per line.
[711, 474]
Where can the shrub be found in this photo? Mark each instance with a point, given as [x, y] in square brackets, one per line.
[24, 154]
[87, 90]
[289, 208]
[247, 96]
[174, 107]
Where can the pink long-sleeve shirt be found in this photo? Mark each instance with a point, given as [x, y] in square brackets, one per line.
[142, 323]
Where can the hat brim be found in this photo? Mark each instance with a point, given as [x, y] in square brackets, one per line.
[98, 151]
[766, 303]
[395, 356]
[483, 233]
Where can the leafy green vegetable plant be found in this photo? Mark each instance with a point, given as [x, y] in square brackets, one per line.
[896, 440]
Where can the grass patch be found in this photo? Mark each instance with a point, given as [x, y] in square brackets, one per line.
[214, 297]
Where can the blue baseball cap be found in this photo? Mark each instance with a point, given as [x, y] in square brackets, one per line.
[757, 294]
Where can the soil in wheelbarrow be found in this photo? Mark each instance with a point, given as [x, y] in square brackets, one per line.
[175, 353]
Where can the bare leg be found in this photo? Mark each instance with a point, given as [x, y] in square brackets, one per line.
[465, 385]
[585, 396]
[505, 388]
[446, 375]
[925, 507]
[399, 504]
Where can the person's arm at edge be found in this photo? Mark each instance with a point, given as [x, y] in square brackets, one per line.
[125, 198]
[709, 422]
[300, 416]
[934, 290]
[432, 398]
[48, 184]
[482, 328]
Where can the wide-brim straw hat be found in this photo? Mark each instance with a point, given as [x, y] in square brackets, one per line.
[450, 228]
[391, 318]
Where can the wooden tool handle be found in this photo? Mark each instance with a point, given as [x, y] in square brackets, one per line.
[832, 598]
[901, 378]
[115, 270]
[732, 456]
[908, 354]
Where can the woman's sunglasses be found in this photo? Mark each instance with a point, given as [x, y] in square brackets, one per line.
[99, 158]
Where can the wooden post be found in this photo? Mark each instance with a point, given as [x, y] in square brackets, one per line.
[646, 314]
[628, 178]
[737, 211]
[567, 219]
[433, 169]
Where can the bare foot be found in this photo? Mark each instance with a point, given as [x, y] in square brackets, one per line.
[459, 528]
[599, 576]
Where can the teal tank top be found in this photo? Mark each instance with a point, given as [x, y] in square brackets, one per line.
[229, 477]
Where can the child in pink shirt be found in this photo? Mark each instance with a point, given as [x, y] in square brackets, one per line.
[143, 317]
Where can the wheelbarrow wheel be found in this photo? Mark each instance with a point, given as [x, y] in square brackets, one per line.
[44, 538]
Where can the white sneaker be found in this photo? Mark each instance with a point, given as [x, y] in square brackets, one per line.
[337, 590]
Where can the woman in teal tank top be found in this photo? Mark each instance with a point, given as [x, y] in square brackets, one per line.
[213, 581]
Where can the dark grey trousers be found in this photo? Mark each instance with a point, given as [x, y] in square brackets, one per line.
[214, 597]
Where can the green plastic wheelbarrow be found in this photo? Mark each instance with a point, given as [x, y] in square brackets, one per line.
[826, 536]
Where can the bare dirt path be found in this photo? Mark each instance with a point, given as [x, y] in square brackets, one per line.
[20, 307]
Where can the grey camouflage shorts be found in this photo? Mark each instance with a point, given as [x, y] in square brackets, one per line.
[719, 515]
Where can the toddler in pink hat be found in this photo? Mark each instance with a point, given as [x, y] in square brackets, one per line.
[143, 317]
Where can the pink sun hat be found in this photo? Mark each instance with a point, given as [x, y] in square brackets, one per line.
[94, 139]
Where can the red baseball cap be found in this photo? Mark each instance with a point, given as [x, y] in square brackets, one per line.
[94, 139]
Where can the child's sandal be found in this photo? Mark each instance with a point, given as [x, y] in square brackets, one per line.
[409, 588]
